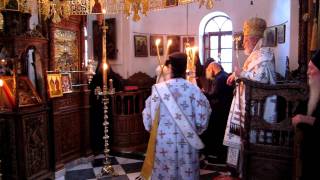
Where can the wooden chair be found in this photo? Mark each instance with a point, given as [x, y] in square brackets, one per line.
[128, 130]
[268, 149]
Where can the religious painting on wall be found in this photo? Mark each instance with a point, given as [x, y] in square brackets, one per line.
[111, 41]
[66, 83]
[175, 46]
[140, 46]
[10, 4]
[27, 92]
[187, 41]
[66, 56]
[153, 47]
[281, 33]
[238, 41]
[54, 85]
[270, 37]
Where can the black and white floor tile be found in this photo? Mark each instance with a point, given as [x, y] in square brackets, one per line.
[128, 167]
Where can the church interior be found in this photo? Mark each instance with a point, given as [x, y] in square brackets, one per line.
[75, 74]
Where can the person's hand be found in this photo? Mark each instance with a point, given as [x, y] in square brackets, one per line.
[230, 79]
[302, 119]
[237, 71]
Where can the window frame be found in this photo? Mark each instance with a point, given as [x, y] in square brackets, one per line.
[207, 36]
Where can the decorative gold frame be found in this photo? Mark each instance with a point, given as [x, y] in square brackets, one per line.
[66, 84]
[65, 50]
[54, 85]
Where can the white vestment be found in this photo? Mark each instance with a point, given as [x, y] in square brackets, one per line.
[175, 158]
[259, 67]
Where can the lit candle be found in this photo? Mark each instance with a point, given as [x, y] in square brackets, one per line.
[104, 18]
[168, 46]
[1, 82]
[105, 68]
[157, 42]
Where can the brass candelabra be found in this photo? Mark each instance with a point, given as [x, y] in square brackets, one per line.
[107, 169]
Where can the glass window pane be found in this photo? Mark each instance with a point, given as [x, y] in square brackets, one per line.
[227, 26]
[220, 21]
[214, 42]
[226, 41]
[214, 54]
[211, 27]
[227, 67]
[226, 55]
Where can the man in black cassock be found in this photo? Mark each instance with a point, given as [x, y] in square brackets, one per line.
[309, 123]
[220, 97]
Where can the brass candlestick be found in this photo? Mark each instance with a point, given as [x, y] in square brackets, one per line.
[107, 169]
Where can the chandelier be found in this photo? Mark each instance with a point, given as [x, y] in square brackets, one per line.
[136, 8]
[62, 9]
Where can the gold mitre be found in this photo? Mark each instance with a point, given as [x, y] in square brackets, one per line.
[254, 27]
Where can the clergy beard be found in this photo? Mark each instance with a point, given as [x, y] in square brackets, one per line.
[314, 84]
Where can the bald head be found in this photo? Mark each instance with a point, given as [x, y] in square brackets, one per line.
[212, 70]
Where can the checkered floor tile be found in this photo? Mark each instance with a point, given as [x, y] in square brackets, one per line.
[128, 167]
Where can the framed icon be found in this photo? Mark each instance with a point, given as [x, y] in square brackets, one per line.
[66, 83]
[185, 40]
[54, 85]
[140, 46]
[153, 47]
[281, 34]
[175, 46]
[238, 40]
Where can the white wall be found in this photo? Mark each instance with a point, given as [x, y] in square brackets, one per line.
[172, 21]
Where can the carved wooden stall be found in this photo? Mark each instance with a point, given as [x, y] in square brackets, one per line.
[269, 151]
[24, 131]
[69, 112]
[128, 130]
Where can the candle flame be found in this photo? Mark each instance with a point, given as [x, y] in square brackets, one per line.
[104, 11]
[194, 49]
[157, 42]
[1, 82]
[169, 42]
[105, 66]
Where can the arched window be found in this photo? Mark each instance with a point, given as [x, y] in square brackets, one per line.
[217, 40]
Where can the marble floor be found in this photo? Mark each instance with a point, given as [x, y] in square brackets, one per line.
[128, 166]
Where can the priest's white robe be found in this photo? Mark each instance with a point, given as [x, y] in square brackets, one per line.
[259, 67]
[175, 158]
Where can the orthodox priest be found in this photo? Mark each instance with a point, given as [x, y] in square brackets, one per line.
[175, 114]
[259, 66]
[309, 122]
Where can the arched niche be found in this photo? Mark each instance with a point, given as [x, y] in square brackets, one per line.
[32, 67]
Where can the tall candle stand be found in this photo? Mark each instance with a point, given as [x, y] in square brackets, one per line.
[107, 169]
